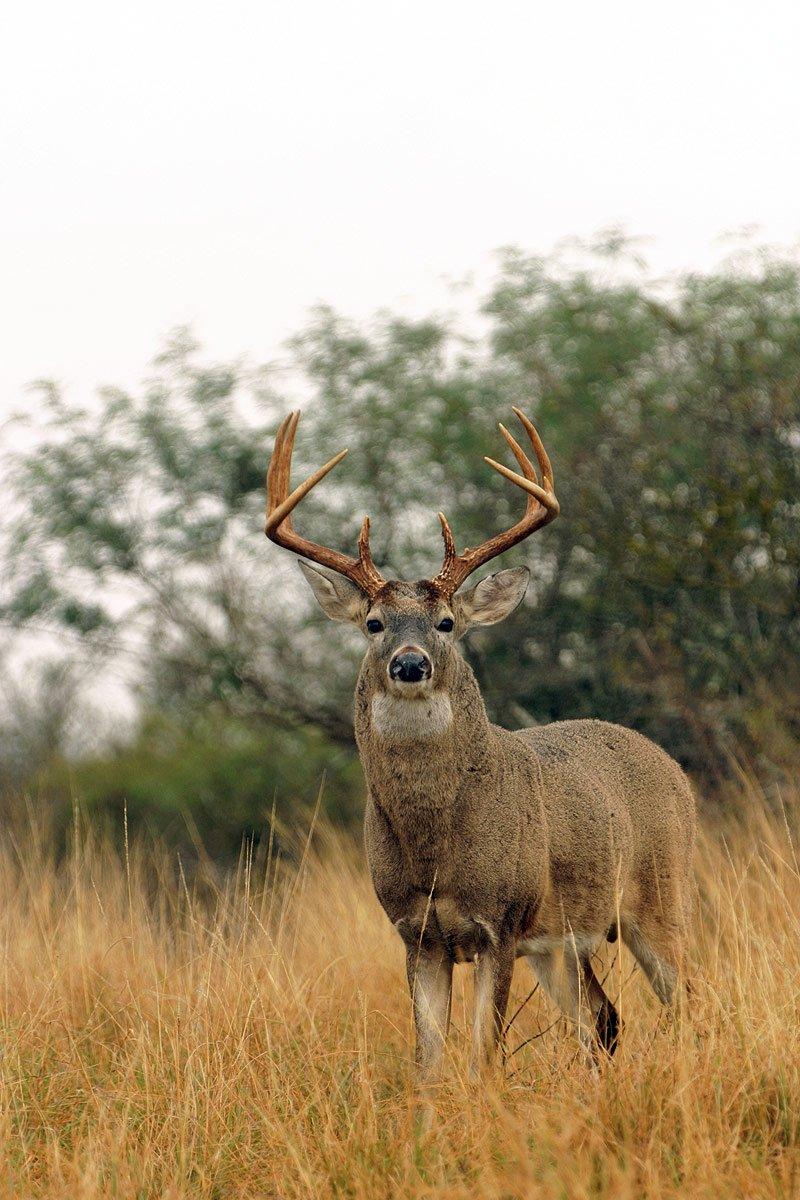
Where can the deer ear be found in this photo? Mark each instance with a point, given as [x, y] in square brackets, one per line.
[494, 598]
[338, 598]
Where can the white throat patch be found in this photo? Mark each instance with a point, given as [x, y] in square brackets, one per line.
[409, 720]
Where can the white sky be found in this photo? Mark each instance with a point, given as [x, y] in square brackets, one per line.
[230, 165]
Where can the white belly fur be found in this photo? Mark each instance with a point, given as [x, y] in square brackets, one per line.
[579, 943]
[406, 720]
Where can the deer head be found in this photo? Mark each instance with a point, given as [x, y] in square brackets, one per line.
[411, 627]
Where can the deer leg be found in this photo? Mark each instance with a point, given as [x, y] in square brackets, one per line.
[430, 978]
[606, 1017]
[493, 970]
[561, 974]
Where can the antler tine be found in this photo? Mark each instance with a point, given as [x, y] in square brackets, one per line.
[528, 469]
[278, 475]
[280, 505]
[541, 508]
[273, 490]
[545, 494]
[287, 450]
[525, 482]
[450, 554]
[447, 534]
[281, 514]
[365, 554]
[542, 456]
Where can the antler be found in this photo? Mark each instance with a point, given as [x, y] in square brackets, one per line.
[542, 507]
[280, 505]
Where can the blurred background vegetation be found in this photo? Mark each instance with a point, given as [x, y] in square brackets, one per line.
[666, 597]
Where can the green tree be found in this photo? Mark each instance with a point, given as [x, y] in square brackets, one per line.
[665, 596]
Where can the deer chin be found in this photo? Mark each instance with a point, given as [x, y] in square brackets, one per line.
[406, 718]
[409, 691]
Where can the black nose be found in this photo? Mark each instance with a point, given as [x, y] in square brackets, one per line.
[410, 666]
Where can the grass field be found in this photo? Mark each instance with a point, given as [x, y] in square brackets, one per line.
[250, 1037]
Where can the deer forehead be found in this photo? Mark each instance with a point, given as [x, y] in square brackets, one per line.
[411, 606]
[409, 598]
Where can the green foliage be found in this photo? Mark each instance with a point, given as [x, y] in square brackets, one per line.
[666, 596]
[215, 779]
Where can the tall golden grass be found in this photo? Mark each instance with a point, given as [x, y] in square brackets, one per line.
[249, 1036]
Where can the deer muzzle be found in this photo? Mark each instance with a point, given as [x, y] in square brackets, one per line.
[410, 664]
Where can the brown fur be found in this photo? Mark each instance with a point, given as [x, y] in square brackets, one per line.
[486, 844]
[539, 832]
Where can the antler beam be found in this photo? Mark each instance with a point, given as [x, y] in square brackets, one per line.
[541, 508]
[281, 503]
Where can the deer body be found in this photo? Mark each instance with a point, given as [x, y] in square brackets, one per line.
[455, 813]
[486, 844]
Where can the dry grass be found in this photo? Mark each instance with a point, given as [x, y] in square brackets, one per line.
[253, 1039]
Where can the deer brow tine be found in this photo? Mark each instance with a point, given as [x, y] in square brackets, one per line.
[364, 552]
[283, 510]
[527, 485]
[528, 469]
[447, 534]
[538, 445]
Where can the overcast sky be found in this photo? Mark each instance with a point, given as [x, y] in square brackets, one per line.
[230, 165]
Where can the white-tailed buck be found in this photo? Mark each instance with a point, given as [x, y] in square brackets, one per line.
[485, 844]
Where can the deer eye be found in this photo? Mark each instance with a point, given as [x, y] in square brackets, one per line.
[445, 625]
[374, 625]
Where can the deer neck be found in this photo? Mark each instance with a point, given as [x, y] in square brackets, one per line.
[417, 753]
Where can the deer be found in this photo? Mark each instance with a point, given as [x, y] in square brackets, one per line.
[486, 845]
